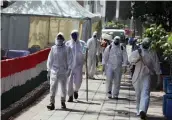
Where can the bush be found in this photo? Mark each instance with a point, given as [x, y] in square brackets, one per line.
[161, 43]
[167, 48]
[115, 25]
[158, 36]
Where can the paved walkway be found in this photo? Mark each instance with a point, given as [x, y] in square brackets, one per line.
[99, 107]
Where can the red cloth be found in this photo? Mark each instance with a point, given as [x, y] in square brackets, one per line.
[11, 66]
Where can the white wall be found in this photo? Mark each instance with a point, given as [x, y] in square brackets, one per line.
[99, 7]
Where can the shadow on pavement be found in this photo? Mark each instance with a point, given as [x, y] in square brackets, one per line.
[86, 112]
[120, 98]
[98, 79]
[155, 118]
[100, 92]
[127, 88]
[121, 113]
[91, 103]
[127, 99]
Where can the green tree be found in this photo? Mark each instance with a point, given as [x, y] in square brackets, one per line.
[115, 25]
[158, 12]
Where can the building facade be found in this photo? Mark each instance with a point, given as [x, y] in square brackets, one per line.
[124, 16]
[96, 7]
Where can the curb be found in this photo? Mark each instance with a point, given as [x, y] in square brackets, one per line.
[24, 101]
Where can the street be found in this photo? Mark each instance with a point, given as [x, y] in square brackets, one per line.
[99, 107]
[46, 41]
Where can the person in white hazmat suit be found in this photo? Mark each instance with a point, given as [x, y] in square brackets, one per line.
[107, 40]
[146, 63]
[59, 67]
[92, 46]
[114, 57]
[79, 51]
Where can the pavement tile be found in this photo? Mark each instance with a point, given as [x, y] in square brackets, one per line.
[98, 107]
[56, 118]
[73, 116]
[41, 117]
[28, 116]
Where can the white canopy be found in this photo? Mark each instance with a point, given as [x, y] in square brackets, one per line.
[35, 22]
[60, 8]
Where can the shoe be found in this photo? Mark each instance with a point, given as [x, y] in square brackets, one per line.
[91, 78]
[116, 98]
[143, 115]
[109, 92]
[63, 105]
[51, 106]
[70, 99]
[137, 114]
[109, 95]
[76, 95]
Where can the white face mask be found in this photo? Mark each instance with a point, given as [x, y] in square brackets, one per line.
[59, 42]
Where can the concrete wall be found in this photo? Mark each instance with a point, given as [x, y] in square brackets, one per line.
[123, 11]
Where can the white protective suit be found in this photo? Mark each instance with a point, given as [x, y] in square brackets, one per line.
[141, 77]
[112, 60]
[109, 38]
[78, 50]
[59, 65]
[92, 45]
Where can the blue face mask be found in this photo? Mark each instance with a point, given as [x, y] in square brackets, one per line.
[74, 36]
[116, 42]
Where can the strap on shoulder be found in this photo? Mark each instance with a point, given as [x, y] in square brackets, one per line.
[110, 47]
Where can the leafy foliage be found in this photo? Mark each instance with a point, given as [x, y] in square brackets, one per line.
[158, 36]
[159, 12]
[161, 42]
[115, 25]
[98, 28]
[167, 47]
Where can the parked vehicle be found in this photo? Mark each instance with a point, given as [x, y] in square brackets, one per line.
[116, 32]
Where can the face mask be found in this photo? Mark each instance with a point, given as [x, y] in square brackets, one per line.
[59, 42]
[94, 36]
[74, 36]
[116, 42]
[145, 46]
[146, 43]
[60, 37]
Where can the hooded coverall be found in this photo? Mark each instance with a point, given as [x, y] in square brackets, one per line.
[59, 64]
[146, 63]
[92, 45]
[113, 58]
[78, 51]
